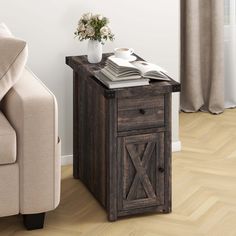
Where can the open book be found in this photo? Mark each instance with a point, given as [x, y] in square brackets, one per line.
[117, 69]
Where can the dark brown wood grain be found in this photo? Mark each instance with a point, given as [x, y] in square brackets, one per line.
[122, 141]
[90, 137]
[141, 182]
[139, 113]
[156, 87]
[111, 158]
[76, 104]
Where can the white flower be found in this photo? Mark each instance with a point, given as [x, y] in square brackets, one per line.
[87, 16]
[90, 31]
[100, 17]
[104, 31]
[81, 27]
[82, 35]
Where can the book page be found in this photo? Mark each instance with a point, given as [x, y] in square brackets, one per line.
[121, 62]
[124, 76]
[145, 67]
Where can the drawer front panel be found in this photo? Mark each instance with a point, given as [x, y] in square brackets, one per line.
[140, 113]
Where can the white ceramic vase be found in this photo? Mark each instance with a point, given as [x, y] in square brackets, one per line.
[94, 51]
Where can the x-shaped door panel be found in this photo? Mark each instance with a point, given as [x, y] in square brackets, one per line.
[141, 167]
[140, 182]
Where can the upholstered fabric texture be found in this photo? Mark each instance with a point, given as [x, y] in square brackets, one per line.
[32, 111]
[9, 190]
[7, 142]
[13, 57]
[28, 135]
[202, 48]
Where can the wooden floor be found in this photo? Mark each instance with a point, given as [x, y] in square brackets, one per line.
[204, 191]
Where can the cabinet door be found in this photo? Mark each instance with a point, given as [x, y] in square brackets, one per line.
[141, 171]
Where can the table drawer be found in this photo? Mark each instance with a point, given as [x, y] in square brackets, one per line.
[140, 113]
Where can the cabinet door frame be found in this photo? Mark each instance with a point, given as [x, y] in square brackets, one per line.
[154, 142]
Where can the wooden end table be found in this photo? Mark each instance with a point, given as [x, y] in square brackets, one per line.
[122, 141]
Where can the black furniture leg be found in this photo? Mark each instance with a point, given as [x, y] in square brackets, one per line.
[34, 221]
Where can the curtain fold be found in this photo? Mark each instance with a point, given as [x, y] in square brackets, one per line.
[202, 55]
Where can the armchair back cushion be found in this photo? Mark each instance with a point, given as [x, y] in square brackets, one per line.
[13, 57]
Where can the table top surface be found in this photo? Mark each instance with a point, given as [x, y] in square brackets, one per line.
[78, 62]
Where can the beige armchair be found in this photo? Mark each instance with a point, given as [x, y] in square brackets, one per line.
[29, 151]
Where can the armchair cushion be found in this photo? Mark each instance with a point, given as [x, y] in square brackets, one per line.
[7, 142]
[13, 56]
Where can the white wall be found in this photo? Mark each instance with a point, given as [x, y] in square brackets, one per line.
[151, 27]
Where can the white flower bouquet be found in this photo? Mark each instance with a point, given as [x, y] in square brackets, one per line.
[94, 27]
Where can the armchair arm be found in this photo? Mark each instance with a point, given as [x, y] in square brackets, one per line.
[32, 111]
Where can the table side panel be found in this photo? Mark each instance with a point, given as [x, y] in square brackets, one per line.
[76, 102]
[92, 137]
[111, 157]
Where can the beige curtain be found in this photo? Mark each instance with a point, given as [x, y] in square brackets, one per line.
[202, 52]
